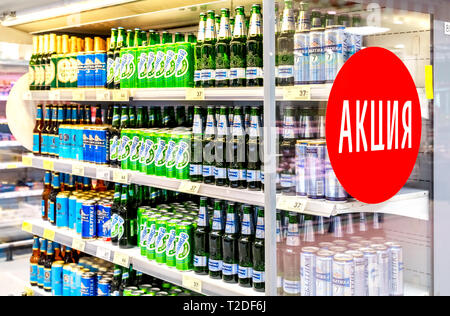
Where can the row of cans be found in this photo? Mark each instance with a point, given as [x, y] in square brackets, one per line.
[155, 66]
[353, 268]
[85, 213]
[314, 175]
[161, 152]
[91, 70]
[319, 54]
[167, 237]
[88, 143]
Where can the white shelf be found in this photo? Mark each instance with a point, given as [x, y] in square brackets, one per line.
[20, 194]
[209, 286]
[408, 202]
[10, 143]
[11, 165]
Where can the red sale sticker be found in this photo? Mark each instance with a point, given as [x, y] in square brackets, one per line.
[373, 125]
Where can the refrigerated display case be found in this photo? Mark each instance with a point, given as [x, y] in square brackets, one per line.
[298, 220]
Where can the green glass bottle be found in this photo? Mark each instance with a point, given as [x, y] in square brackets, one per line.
[221, 146]
[117, 60]
[285, 53]
[230, 243]
[195, 171]
[245, 271]
[215, 242]
[254, 62]
[198, 51]
[259, 259]
[254, 151]
[237, 173]
[110, 60]
[201, 239]
[208, 147]
[238, 49]
[209, 52]
[223, 51]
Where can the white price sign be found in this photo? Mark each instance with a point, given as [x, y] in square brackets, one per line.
[120, 176]
[121, 259]
[103, 95]
[189, 187]
[103, 253]
[192, 283]
[292, 204]
[54, 95]
[447, 28]
[78, 170]
[103, 174]
[78, 245]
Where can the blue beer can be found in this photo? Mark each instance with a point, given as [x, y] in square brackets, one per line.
[62, 145]
[85, 144]
[89, 220]
[300, 168]
[73, 279]
[81, 60]
[90, 70]
[316, 56]
[62, 210]
[78, 143]
[104, 221]
[334, 191]
[88, 284]
[67, 278]
[79, 209]
[301, 58]
[104, 287]
[91, 144]
[79, 272]
[315, 169]
[57, 278]
[100, 69]
[334, 54]
[72, 211]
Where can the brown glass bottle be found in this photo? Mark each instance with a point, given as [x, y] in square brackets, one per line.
[37, 131]
[34, 261]
[46, 195]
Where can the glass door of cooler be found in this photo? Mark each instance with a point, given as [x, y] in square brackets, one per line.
[330, 244]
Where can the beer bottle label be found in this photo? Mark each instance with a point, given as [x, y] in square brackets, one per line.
[245, 272]
[47, 278]
[43, 208]
[51, 212]
[229, 268]
[200, 261]
[286, 180]
[291, 287]
[215, 265]
[31, 76]
[33, 273]
[285, 71]
[220, 173]
[254, 73]
[260, 277]
[253, 176]
[208, 171]
[195, 170]
[260, 228]
[242, 175]
[233, 175]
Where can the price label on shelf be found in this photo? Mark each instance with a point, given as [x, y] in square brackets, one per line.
[48, 165]
[195, 94]
[27, 227]
[78, 244]
[121, 95]
[27, 96]
[192, 283]
[189, 187]
[78, 170]
[297, 93]
[49, 234]
[78, 95]
[292, 204]
[121, 259]
[121, 176]
[103, 95]
[27, 161]
[54, 95]
[103, 174]
[103, 253]
[11, 166]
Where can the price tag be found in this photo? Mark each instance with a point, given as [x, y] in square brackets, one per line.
[27, 161]
[103, 253]
[78, 170]
[54, 95]
[11, 166]
[292, 204]
[121, 259]
[78, 95]
[192, 283]
[121, 95]
[120, 176]
[27, 227]
[297, 93]
[103, 174]
[78, 245]
[49, 234]
[195, 94]
[189, 187]
[27, 96]
[102, 95]
[48, 165]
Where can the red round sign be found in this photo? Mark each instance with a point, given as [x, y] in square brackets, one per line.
[373, 125]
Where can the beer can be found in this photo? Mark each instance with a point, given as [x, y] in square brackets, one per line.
[104, 221]
[101, 156]
[334, 191]
[160, 57]
[152, 235]
[104, 287]
[100, 69]
[150, 145]
[334, 53]
[151, 66]
[142, 56]
[73, 279]
[79, 273]
[171, 242]
[62, 210]
[383, 268]
[57, 278]
[125, 59]
[140, 223]
[300, 168]
[88, 284]
[359, 268]
[316, 56]
[372, 277]
[72, 211]
[183, 254]
[89, 66]
[172, 148]
[88, 220]
[343, 275]
[395, 269]
[307, 271]
[183, 156]
[169, 65]
[160, 154]
[161, 239]
[124, 148]
[324, 273]
[301, 58]
[144, 151]
[78, 212]
[136, 144]
[143, 232]
[67, 278]
[129, 290]
[81, 72]
[184, 65]
[315, 167]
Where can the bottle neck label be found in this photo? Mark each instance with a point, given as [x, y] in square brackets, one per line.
[260, 228]
[231, 226]
[217, 220]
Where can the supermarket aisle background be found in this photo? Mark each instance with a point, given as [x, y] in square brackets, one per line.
[13, 275]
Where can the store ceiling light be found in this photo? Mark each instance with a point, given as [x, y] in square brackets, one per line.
[72, 8]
